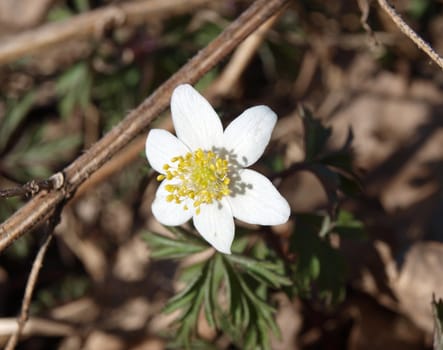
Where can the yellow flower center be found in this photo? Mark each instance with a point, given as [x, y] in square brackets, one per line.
[201, 176]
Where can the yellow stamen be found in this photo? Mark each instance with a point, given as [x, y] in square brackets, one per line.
[202, 177]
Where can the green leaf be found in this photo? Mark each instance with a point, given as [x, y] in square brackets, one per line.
[317, 261]
[418, 8]
[59, 13]
[330, 182]
[33, 158]
[316, 135]
[82, 5]
[74, 88]
[248, 310]
[163, 247]
[347, 226]
[209, 299]
[16, 113]
[185, 297]
[264, 271]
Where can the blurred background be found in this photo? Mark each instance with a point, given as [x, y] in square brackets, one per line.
[345, 61]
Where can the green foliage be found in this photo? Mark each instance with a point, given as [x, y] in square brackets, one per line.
[317, 261]
[418, 8]
[333, 168]
[232, 291]
[116, 94]
[347, 226]
[69, 288]
[181, 245]
[74, 88]
[205, 34]
[17, 111]
[28, 152]
[59, 13]
[316, 135]
[82, 5]
[35, 157]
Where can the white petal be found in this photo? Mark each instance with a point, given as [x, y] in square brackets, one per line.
[216, 225]
[195, 121]
[249, 134]
[169, 213]
[161, 146]
[257, 201]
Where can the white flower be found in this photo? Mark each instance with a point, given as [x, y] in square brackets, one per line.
[202, 170]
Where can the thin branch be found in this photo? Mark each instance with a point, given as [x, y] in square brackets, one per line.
[33, 187]
[30, 286]
[40, 208]
[406, 29]
[91, 24]
[225, 83]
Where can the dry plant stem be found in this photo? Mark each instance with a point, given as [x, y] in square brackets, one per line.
[36, 326]
[28, 189]
[39, 208]
[406, 29]
[242, 56]
[30, 285]
[90, 24]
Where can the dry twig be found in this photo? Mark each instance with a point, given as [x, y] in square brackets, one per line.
[225, 83]
[90, 24]
[33, 187]
[406, 29]
[30, 285]
[41, 207]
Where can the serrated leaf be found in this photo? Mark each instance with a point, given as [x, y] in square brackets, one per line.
[185, 296]
[316, 135]
[264, 334]
[251, 336]
[189, 272]
[208, 295]
[317, 261]
[163, 247]
[263, 271]
[330, 181]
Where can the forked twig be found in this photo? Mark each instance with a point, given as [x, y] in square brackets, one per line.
[406, 29]
[41, 207]
[33, 187]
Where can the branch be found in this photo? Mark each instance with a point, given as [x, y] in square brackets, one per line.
[32, 187]
[40, 208]
[30, 285]
[406, 29]
[225, 83]
[90, 24]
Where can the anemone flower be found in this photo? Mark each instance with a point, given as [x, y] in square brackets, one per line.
[203, 170]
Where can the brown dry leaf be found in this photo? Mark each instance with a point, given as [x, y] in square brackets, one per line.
[151, 344]
[102, 340]
[420, 279]
[376, 328]
[398, 142]
[289, 320]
